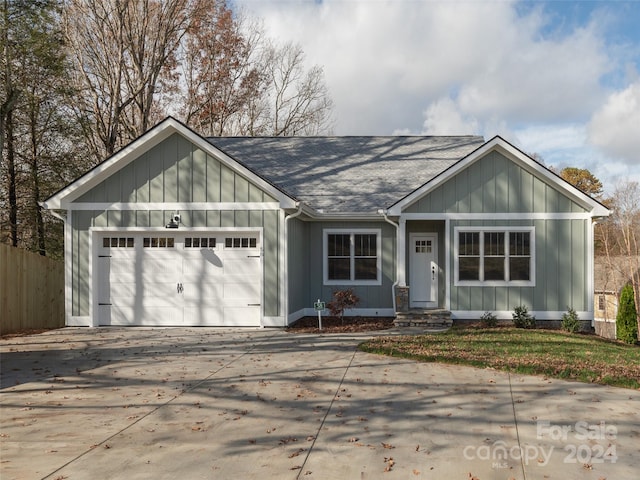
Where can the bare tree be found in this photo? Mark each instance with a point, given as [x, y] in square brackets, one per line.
[219, 70]
[121, 49]
[619, 235]
[298, 100]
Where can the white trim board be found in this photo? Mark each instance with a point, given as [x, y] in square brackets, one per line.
[499, 216]
[175, 206]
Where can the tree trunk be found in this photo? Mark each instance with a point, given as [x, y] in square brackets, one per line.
[11, 167]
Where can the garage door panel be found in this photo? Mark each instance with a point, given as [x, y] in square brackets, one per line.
[241, 266]
[165, 268]
[195, 269]
[205, 293]
[157, 294]
[205, 316]
[246, 291]
[149, 316]
[241, 316]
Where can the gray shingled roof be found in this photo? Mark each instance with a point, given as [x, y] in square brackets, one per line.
[348, 174]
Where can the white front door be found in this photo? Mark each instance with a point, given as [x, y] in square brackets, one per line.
[423, 268]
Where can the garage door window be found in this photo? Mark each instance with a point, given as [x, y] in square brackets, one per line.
[117, 242]
[199, 242]
[158, 242]
[240, 242]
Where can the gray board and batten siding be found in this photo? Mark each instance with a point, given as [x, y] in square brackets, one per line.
[175, 170]
[495, 185]
[305, 273]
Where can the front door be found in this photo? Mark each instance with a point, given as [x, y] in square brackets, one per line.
[423, 268]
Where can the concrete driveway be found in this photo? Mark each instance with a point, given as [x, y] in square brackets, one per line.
[260, 404]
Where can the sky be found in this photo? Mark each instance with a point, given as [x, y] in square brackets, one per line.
[558, 79]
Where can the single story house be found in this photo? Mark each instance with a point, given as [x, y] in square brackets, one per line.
[611, 274]
[178, 229]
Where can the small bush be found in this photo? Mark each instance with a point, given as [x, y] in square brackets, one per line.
[627, 318]
[342, 300]
[488, 319]
[522, 319]
[571, 321]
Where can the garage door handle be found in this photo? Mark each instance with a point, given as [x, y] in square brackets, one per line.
[180, 288]
[253, 256]
[253, 304]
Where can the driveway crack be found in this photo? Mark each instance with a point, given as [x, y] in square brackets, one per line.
[515, 421]
[324, 419]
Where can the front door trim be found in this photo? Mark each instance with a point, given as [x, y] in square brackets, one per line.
[423, 277]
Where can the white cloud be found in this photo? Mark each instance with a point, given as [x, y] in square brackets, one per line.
[615, 127]
[443, 117]
[386, 62]
[471, 67]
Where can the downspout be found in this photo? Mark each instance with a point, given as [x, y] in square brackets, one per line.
[286, 260]
[395, 284]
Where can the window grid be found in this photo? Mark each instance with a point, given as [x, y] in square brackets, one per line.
[117, 242]
[502, 256]
[199, 242]
[158, 242]
[240, 242]
[352, 257]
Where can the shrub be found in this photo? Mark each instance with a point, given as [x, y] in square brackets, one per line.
[342, 300]
[627, 318]
[571, 321]
[488, 319]
[522, 319]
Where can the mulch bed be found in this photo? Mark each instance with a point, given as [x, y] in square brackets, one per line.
[335, 325]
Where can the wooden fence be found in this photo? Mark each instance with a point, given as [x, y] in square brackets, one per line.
[31, 291]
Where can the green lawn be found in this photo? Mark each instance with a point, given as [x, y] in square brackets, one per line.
[586, 358]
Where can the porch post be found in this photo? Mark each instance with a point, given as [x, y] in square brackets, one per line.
[401, 260]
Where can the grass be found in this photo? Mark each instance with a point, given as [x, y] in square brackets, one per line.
[552, 353]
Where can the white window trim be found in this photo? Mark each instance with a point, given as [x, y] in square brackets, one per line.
[495, 283]
[351, 232]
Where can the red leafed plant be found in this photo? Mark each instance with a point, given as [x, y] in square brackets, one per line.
[342, 300]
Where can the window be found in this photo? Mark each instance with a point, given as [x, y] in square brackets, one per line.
[199, 242]
[158, 242]
[601, 303]
[117, 242]
[494, 257]
[352, 257]
[240, 242]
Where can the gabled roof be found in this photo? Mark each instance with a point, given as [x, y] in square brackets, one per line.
[517, 156]
[63, 198]
[340, 175]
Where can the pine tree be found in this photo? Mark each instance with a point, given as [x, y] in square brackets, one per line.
[626, 320]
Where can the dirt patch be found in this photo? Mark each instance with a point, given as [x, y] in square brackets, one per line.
[335, 325]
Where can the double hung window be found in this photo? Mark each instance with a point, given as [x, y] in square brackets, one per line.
[351, 257]
[496, 256]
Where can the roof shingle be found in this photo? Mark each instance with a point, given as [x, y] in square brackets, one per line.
[348, 174]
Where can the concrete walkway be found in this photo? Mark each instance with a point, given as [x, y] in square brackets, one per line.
[262, 404]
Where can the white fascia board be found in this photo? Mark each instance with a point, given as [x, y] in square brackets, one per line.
[500, 145]
[162, 131]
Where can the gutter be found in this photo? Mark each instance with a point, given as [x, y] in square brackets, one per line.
[395, 284]
[53, 213]
[299, 206]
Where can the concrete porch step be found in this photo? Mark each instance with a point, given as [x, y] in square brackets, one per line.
[427, 318]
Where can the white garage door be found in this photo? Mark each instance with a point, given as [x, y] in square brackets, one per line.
[191, 279]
